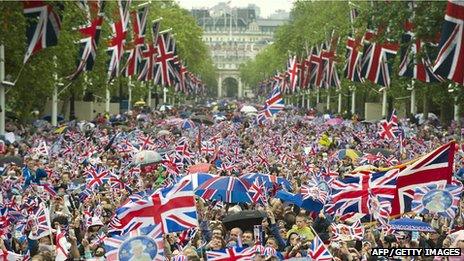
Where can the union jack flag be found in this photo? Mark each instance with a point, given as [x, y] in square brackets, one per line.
[318, 251]
[315, 61]
[174, 208]
[292, 69]
[149, 54]
[377, 57]
[152, 232]
[389, 129]
[412, 65]
[230, 254]
[449, 62]
[41, 220]
[318, 62]
[258, 191]
[116, 48]
[352, 194]
[443, 199]
[162, 60]
[88, 44]
[274, 103]
[43, 26]
[369, 158]
[330, 74]
[139, 21]
[96, 177]
[435, 167]
[353, 59]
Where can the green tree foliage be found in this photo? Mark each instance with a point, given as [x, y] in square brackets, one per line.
[312, 22]
[35, 83]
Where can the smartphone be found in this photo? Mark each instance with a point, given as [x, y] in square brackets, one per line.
[258, 233]
[415, 236]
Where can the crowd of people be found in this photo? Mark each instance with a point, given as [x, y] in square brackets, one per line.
[50, 210]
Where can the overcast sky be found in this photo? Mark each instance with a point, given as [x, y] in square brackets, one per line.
[267, 6]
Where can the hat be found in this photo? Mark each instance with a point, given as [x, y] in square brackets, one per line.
[96, 222]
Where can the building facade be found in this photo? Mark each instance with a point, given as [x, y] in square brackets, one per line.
[235, 35]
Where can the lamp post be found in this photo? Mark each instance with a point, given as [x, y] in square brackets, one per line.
[384, 102]
[453, 88]
[339, 109]
[353, 99]
[413, 97]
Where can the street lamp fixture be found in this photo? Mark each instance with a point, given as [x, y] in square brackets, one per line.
[8, 83]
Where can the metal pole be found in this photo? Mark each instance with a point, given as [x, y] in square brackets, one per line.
[308, 100]
[55, 95]
[2, 90]
[55, 105]
[456, 109]
[302, 100]
[317, 96]
[107, 100]
[413, 99]
[129, 94]
[384, 102]
[339, 101]
[149, 94]
[353, 100]
[165, 90]
[328, 101]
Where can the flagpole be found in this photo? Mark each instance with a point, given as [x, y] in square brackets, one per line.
[308, 100]
[2, 90]
[129, 94]
[413, 98]
[353, 99]
[339, 101]
[328, 100]
[149, 94]
[384, 102]
[55, 94]
[107, 98]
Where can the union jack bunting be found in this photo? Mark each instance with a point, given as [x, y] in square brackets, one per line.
[149, 55]
[314, 63]
[440, 199]
[162, 60]
[318, 251]
[435, 167]
[88, 44]
[377, 59]
[345, 233]
[449, 62]
[319, 69]
[293, 69]
[412, 65]
[139, 21]
[150, 238]
[96, 177]
[174, 208]
[43, 26]
[330, 74]
[302, 78]
[352, 194]
[228, 254]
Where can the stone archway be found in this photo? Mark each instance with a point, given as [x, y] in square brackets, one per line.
[229, 85]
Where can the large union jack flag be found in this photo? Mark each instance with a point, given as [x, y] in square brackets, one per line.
[173, 207]
[450, 59]
[274, 103]
[118, 40]
[433, 168]
[149, 55]
[353, 59]
[293, 68]
[144, 235]
[352, 194]
[412, 65]
[230, 254]
[43, 26]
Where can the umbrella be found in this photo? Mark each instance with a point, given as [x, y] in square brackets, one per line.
[202, 119]
[225, 189]
[49, 118]
[334, 121]
[163, 132]
[11, 159]
[350, 153]
[384, 152]
[248, 109]
[201, 167]
[139, 103]
[408, 224]
[197, 179]
[145, 157]
[269, 180]
[188, 124]
[165, 107]
[244, 219]
[297, 199]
